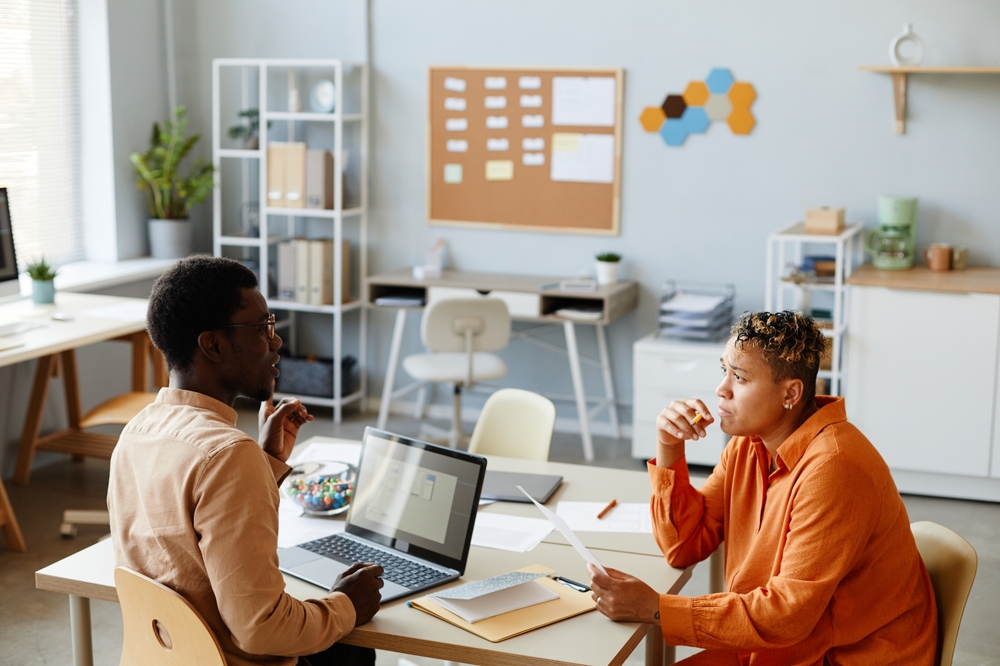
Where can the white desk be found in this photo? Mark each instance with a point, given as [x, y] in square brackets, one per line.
[589, 639]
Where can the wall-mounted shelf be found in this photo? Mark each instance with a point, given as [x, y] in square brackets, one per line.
[899, 76]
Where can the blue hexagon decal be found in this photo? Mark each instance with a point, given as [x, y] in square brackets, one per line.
[695, 120]
[720, 80]
[674, 131]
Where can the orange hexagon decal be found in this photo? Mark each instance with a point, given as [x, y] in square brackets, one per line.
[652, 118]
[741, 121]
[696, 93]
[742, 94]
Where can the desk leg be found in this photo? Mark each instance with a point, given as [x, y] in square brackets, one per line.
[33, 419]
[717, 570]
[11, 530]
[79, 622]
[581, 396]
[390, 372]
[609, 385]
[658, 653]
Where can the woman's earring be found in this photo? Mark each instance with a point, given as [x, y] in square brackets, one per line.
[788, 405]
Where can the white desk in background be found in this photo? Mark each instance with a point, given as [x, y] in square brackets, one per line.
[588, 640]
[528, 298]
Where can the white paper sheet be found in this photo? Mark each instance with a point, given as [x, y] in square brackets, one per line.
[531, 101]
[533, 121]
[454, 85]
[624, 517]
[533, 159]
[533, 144]
[328, 451]
[583, 100]
[682, 302]
[529, 82]
[513, 533]
[456, 124]
[294, 527]
[457, 145]
[593, 160]
[454, 104]
[496, 122]
[497, 603]
[498, 102]
[496, 82]
[129, 311]
[568, 533]
[497, 144]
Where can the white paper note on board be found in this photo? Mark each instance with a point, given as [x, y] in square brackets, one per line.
[497, 144]
[457, 145]
[533, 159]
[498, 102]
[454, 104]
[454, 85]
[583, 100]
[530, 143]
[453, 173]
[531, 101]
[592, 160]
[500, 170]
[496, 122]
[529, 82]
[533, 121]
[496, 82]
[456, 124]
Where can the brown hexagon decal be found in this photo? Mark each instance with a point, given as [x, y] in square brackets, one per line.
[673, 106]
[696, 93]
[742, 94]
[652, 118]
[741, 121]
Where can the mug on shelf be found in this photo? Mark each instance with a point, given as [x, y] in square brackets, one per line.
[938, 257]
[959, 258]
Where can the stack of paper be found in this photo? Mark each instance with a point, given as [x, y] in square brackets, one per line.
[494, 596]
[513, 533]
[702, 317]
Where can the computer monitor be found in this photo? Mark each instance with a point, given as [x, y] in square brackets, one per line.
[9, 285]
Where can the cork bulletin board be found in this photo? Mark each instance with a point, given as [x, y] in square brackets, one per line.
[531, 149]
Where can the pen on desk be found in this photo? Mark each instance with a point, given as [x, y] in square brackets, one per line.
[551, 285]
[579, 587]
[612, 504]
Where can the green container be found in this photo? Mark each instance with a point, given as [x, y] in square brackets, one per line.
[897, 211]
[43, 291]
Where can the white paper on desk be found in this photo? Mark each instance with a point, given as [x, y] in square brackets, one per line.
[130, 311]
[624, 517]
[513, 533]
[497, 603]
[682, 302]
[583, 100]
[294, 527]
[329, 451]
[588, 159]
[568, 533]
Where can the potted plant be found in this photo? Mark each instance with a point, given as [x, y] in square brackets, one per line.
[43, 287]
[248, 130]
[607, 267]
[170, 196]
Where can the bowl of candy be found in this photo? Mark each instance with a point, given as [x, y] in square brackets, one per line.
[321, 488]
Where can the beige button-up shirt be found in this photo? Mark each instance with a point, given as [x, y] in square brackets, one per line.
[194, 505]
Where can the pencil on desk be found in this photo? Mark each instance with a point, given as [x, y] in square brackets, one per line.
[605, 510]
[698, 416]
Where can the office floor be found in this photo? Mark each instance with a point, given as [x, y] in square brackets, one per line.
[34, 625]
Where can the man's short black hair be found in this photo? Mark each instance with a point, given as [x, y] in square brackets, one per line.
[195, 295]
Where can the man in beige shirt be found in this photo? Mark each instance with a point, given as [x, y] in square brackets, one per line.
[194, 500]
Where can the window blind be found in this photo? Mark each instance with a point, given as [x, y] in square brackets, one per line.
[40, 128]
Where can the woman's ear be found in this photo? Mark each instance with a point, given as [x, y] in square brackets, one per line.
[794, 390]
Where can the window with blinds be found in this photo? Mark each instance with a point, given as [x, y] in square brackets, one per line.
[40, 128]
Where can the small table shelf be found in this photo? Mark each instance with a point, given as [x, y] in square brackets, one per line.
[899, 78]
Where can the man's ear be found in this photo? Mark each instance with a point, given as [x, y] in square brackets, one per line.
[210, 345]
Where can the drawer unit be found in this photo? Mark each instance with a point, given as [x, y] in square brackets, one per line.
[519, 304]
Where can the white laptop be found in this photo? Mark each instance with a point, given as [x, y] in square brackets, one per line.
[413, 512]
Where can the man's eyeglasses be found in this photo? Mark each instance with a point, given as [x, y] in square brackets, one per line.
[269, 324]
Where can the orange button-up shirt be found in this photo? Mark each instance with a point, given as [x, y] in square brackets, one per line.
[820, 559]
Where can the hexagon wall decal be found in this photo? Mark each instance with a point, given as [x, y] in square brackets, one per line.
[673, 106]
[719, 80]
[696, 93]
[719, 98]
[652, 118]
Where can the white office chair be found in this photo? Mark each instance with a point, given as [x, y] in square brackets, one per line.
[516, 424]
[458, 333]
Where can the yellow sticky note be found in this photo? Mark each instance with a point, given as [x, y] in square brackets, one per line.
[500, 170]
[564, 141]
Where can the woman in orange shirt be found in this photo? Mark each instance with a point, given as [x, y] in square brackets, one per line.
[821, 565]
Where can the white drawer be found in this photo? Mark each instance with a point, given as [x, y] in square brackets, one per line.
[698, 372]
[519, 303]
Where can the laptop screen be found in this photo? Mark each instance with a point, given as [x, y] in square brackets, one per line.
[416, 497]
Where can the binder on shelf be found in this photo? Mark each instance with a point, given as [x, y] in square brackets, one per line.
[276, 174]
[302, 270]
[319, 179]
[286, 271]
[513, 623]
[295, 175]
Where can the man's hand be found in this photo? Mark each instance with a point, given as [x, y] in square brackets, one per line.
[361, 584]
[279, 426]
[624, 598]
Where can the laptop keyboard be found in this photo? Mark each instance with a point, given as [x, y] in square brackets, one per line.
[399, 570]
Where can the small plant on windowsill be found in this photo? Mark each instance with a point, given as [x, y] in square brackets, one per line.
[607, 267]
[43, 287]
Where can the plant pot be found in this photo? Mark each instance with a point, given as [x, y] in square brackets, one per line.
[169, 239]
[43, 291]
[607, 272]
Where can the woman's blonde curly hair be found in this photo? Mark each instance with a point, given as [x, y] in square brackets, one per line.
[790, 343]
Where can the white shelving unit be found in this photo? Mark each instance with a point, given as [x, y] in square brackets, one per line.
[788, 246]
[255, 82]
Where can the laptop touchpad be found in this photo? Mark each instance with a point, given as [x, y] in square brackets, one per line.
[293, 557]
[322, 571]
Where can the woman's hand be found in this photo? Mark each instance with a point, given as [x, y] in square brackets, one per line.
[279, 426]
[624, 598]
[679, 422]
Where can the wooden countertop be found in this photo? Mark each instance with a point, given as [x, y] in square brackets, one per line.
[969, 280]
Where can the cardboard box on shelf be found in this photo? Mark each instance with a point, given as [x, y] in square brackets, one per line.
[824, 220]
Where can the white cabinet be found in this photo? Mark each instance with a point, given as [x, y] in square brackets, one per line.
[666, 370]
[921, 381]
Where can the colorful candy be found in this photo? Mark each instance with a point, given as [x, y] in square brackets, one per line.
[321, 494]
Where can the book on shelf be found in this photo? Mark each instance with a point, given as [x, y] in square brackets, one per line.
[319, 179]
[302, 272]
[286, 174]
[305, 271]
[286, 271]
